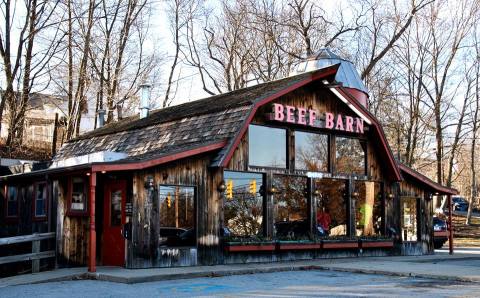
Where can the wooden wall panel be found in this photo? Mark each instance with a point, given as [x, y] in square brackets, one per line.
[143, 250]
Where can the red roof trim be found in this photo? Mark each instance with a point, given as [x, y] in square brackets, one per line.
[321, 74]
[378, 129]
[425, 180]
[161, 160]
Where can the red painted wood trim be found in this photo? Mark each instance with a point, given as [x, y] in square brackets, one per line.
[440, 234]
[339, 245]
[378, 129]
[315, 76]
[376, 244]
[92, 235]
[298, 246]
[154, 162]
[435, 186]
[240, 248]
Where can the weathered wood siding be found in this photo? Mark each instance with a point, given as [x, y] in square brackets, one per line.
[424, 245]
[25, 224]
[72, 231]
[143, 250]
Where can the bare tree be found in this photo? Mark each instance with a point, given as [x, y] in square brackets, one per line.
[23, 66]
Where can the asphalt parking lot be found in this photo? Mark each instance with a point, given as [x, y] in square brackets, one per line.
[315, 283]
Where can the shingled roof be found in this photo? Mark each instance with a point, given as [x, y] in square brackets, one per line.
[178, 128]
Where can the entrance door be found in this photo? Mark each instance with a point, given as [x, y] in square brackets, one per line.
[113, 248]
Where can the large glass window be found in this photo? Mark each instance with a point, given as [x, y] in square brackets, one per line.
[290, 211]
[40, 199]
[332, 217]
[78, 195]
[12, 201]
[243, 204]
[267, 146]
[311, 151]
[369, 205]
[409, 219]
[177, 215]
[350, 156]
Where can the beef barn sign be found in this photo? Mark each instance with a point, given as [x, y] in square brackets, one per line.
[311, 117]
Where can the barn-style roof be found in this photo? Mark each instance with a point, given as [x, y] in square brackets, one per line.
[214, 124]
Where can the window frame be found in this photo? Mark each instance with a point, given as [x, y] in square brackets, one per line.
[36, 217]
[287, 146]
[76, 212]
[334, 156]
[264, 199]
[195, 205]
[12, 218]
[417, 219]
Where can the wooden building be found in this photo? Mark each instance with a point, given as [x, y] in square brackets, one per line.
[291, 169]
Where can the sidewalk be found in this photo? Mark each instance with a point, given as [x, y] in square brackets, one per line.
[458, 267]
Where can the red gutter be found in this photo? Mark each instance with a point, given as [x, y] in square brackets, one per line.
[154, 162]
[313, 77]
[435, 186]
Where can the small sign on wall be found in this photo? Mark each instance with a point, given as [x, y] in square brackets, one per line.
[128, 209]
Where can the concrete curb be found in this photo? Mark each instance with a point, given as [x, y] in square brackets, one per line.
[401, 274]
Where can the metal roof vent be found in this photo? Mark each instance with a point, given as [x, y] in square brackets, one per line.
[347, 73]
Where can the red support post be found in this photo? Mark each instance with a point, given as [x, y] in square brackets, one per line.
[93, 236]
[450, 224]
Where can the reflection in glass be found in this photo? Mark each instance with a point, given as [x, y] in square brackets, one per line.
[79, 198]
[40, 199]
[290, 207]
[267, 146]
[177, 215]
[409, 219]
[369, 208]
[311, 151]
[332, 206]
[243, 204]
[12, 201]
[116, 208]
[350, 156]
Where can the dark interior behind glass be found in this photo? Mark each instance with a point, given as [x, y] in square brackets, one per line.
[290, 210]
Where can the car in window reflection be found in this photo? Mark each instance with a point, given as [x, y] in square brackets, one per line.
[459, 204]
[293, 229]
[177, 237]
[440, 234]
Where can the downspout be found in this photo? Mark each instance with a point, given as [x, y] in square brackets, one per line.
[93, 236]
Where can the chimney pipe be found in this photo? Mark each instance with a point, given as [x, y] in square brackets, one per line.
[101, 117]
[144, 99]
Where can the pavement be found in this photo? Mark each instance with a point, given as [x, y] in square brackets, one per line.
[307, 283]
[460, 267]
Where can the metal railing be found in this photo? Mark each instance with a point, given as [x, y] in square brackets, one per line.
[36, 254]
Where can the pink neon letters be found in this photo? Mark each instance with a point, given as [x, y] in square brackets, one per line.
[308, 117]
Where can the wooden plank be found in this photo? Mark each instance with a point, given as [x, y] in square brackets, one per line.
[27, 238]
[35, 250]
[27, 257]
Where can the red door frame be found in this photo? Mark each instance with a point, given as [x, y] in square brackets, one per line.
[113, 245]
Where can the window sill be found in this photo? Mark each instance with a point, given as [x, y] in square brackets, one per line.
[376, 243]
[246, 246]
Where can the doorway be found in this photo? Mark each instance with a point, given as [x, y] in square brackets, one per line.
[113, 248]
